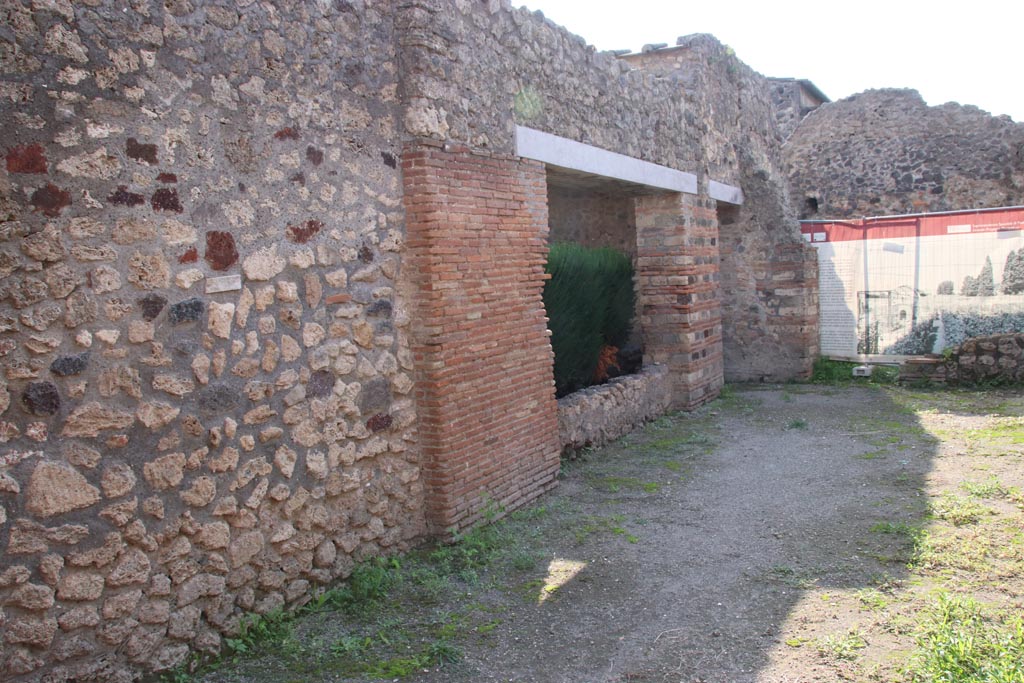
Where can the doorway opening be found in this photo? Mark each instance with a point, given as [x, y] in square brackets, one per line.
[591, 298]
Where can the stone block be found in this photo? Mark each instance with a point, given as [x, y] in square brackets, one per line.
[55, 488]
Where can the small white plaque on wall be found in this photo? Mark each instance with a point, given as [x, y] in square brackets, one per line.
[226, 283]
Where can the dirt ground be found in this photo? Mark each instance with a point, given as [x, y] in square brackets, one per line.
[781, 534]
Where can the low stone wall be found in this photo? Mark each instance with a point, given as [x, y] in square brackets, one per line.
[598, 415]
[998, 359]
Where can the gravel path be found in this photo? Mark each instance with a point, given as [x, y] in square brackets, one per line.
[716, 570]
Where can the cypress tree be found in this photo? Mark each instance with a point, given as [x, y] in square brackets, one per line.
[1013, 273]
[986, 283]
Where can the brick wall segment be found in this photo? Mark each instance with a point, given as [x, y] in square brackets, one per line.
[678, 292]
[485, 387]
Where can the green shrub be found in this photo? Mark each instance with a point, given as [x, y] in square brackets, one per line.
[590, 304]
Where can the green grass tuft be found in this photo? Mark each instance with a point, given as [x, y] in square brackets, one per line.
[959, 511]
[991, 488]
[959, 643]
[843, 646]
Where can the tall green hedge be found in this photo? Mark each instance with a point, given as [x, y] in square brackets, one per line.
[590, 303]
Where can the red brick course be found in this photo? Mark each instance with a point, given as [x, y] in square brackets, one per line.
[677, 284]
[477, 242]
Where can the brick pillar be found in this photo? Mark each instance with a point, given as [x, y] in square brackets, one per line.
[476, 247]
[677, 285]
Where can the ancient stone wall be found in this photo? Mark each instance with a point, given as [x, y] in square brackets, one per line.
[996, 359]
[768, 278]
[791, 102]
[786, 102]
[885, 152]
[207, 387]
[722, 128]
[511, 66]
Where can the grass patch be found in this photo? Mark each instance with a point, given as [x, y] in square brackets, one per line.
[731, 399]
[845, 646]
[437, 653]
[617, 484]
[679, 442]
[872, 599]
[1002, 433]
[959, 511]
[963, 550]
[591, 525]
[273, 629]
[875, 454]
[827, 371]
[990, 488]
[907, 531]
[959, 642]
[384, 611]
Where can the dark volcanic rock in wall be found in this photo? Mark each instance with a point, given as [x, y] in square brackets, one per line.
[221, 252]
[26, 159]
[375, 396]
[122, 197]
[379, 422]
[151, 305]
[70, 365]
[300, 234]
[41, 398]
[381, 307]
[185, 311]
[218, 398]
[166, 199]
[321, 383]
[140, 152]
[50, 200]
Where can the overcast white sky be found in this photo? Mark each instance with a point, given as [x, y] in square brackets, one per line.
[966, 52]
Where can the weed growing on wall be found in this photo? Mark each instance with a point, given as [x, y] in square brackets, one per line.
[590, 304]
